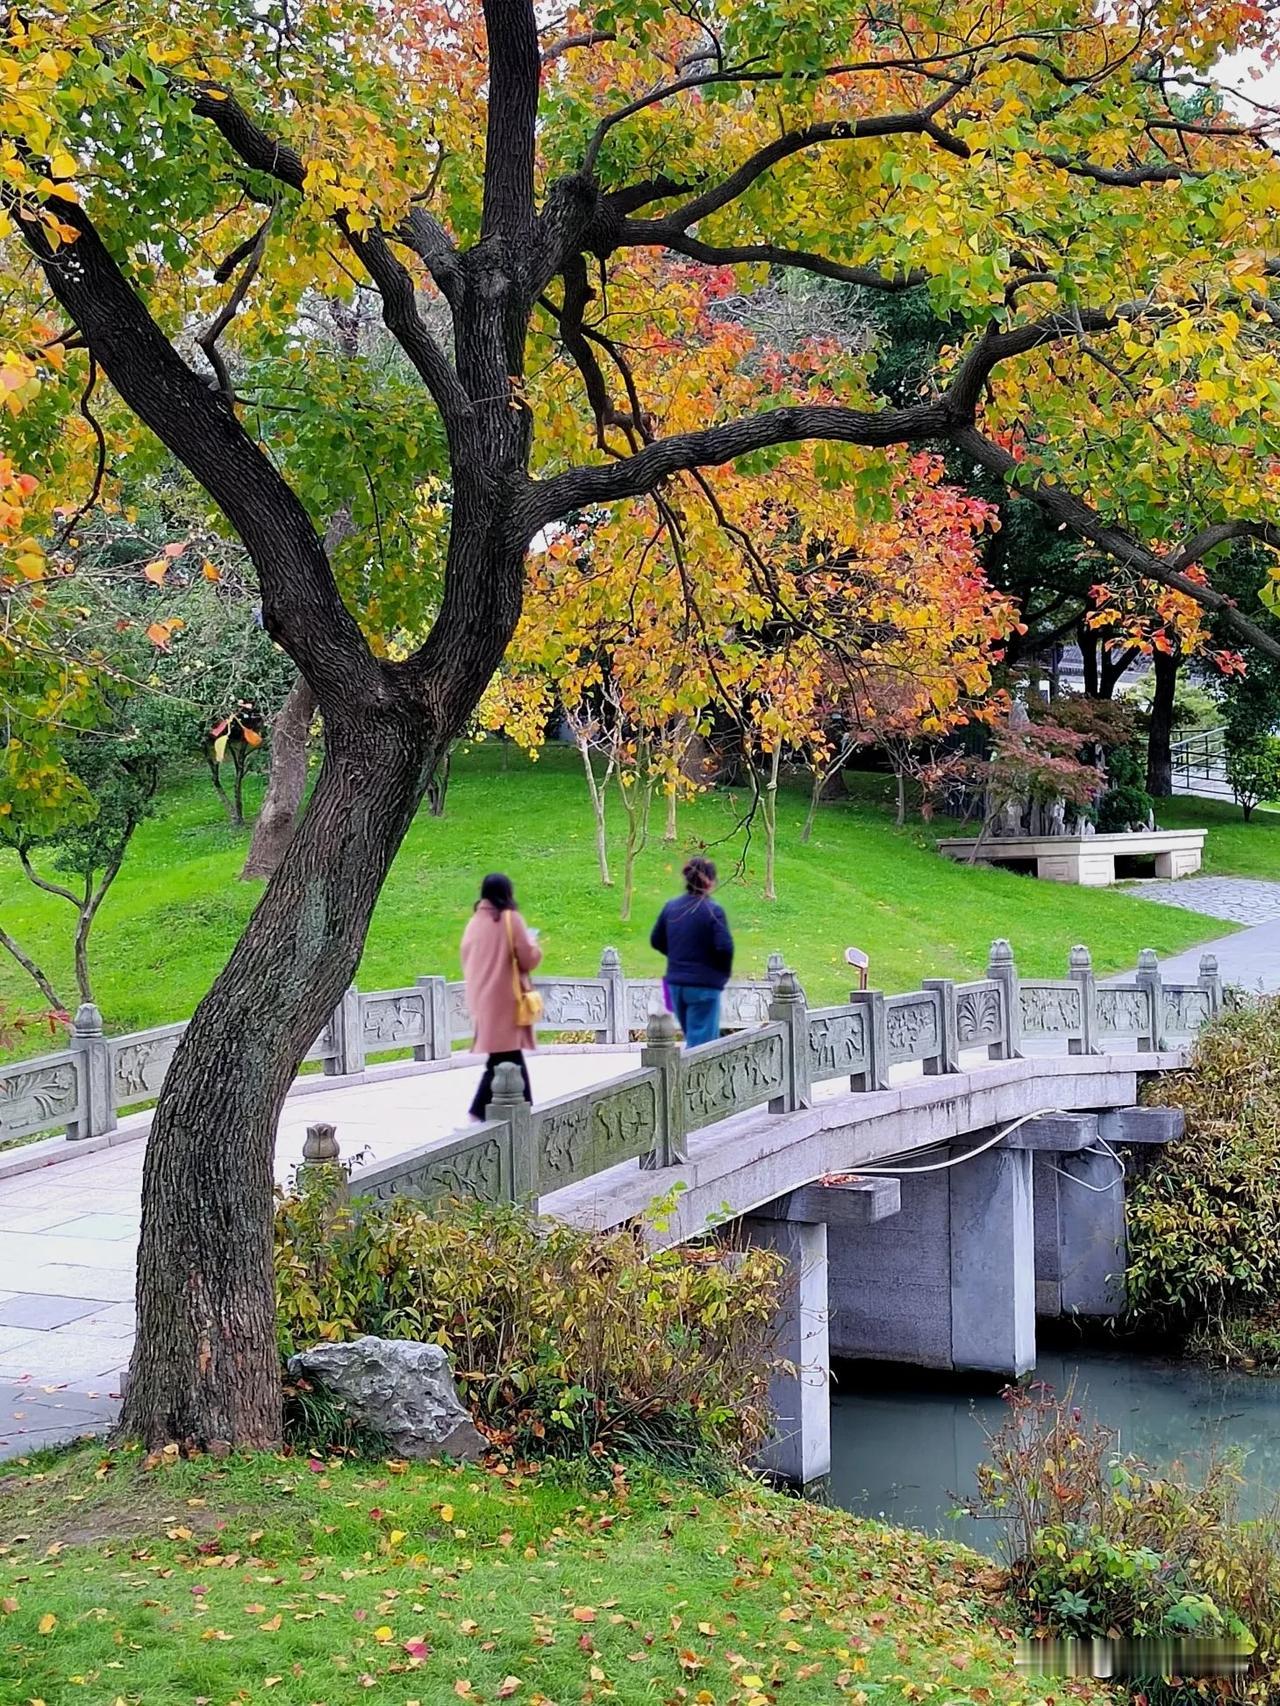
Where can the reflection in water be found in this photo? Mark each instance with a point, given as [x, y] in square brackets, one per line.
[903, 1451]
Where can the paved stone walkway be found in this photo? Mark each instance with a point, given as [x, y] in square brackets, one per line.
[1240, 900]
[69, 1234]
[1250, 959]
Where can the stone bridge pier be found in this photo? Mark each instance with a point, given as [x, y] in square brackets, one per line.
[946, 1259]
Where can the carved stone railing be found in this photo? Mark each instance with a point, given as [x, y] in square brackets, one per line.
[1001, 1011]
[776, 1050]
[524, 1153]
[37, 1094]
[82, 1089]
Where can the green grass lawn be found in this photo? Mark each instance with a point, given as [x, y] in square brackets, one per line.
[178, 905]
[1234, 848]
[297, 1583]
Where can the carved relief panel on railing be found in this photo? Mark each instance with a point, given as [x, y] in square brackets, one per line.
[394, 1017]
[911, 1024]
[837, 1043]
[38, 1093]
[1123, 1012]
[572, 1004]
[582, 1135]
[139, 1064]
[732, 1075]
[475, 1166]
[979, 1020]
[744, 1005]
[641, 996]
[1186, 1010]
[1050, 1009]
[459, 1018]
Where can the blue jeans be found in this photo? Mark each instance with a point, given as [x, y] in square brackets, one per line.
[697, 1013]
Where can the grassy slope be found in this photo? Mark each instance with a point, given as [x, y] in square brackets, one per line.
[268, 1580]
[1234, 848]
[178, 906]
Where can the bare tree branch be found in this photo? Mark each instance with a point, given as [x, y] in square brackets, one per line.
[1073, 512]
[774, 255]
[565, 44]
[100, 461]
[208, 339]
[402, 319]
[716, 196]
[551, 500]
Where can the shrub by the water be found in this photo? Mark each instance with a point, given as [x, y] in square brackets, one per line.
[1096, 1543]
[1204, 1216]
[563, 1341]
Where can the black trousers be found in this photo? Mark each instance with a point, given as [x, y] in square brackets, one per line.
[481, 1102]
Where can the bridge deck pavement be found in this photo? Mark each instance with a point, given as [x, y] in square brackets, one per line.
[69, 1231]
[69, 1234]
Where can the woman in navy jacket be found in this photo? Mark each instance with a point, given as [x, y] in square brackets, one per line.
[693, 933]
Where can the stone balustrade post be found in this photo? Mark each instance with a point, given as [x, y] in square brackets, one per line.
[437, 1043]
[1002, 970]
[1211, 982]
[662, 1052]
[1080, 971]
[876, 1077]
[775, 966]
[346, 1030]
[1148, 978]
[93, 1064]
[320, 1152]
[789, 1008]
[947, 1058]
[616, 1029]
[507, 1103]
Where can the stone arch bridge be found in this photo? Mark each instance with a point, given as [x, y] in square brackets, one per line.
[939, 1167]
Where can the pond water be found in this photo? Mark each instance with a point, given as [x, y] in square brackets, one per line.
[904, 1445]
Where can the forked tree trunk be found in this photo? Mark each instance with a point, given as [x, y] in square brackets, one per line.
[215, 776]
[771, 826]
[286, 782]
[239, 760]
[637, 801]
[205, 1363]
[33, 971]
[596, 790]
[88, 912]
[815, 797]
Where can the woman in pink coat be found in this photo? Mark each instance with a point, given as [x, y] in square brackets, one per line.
[495, 942]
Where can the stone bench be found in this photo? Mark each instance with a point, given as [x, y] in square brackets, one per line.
[1089, 860]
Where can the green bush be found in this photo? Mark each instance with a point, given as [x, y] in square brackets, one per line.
[562, 1341]
[1081, 1581]
[1126, 800]
[1253, 769]
[1095, 1543]
[1204, 1216]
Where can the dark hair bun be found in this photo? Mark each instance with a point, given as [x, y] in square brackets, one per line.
[699, 876]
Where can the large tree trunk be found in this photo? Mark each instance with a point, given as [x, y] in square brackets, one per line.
[286, 782]
[205, 1363]
[1160, 730]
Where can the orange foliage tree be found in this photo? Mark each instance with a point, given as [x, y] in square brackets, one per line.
[167, 166]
